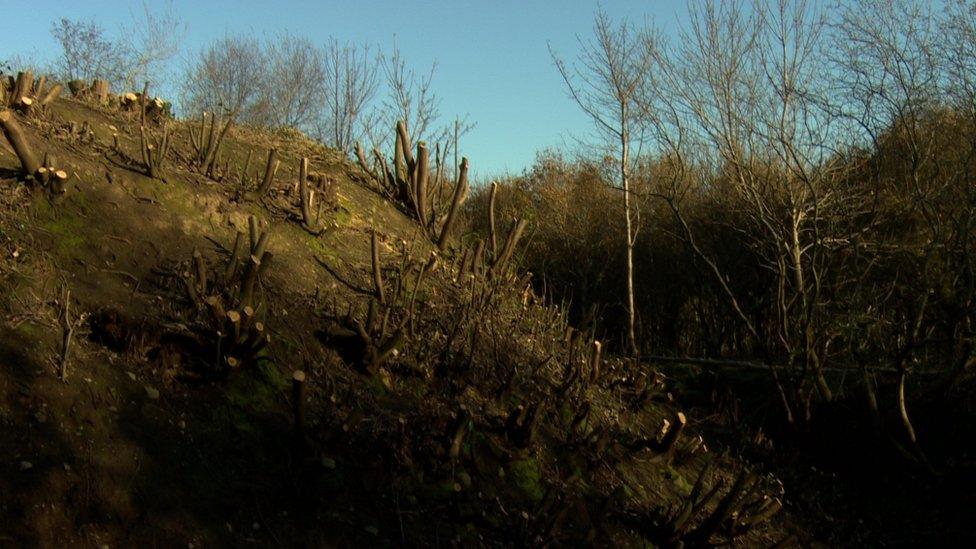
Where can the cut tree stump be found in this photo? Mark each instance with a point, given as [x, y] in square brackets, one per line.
[78, 88]
[100, 89]
[15, 135]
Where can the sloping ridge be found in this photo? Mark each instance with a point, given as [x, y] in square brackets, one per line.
[484, 427]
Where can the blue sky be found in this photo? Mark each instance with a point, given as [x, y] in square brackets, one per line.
[492, 58]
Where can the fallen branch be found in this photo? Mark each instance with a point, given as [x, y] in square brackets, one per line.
[723, 363]
[67, 330]
[68, 327]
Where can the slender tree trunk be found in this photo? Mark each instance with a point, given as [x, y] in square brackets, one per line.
[811, 358]
[491, 219]
[625, 180]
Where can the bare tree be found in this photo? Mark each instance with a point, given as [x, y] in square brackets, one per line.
[140, 54]
[227, 74]
[611, 71]
[959, 59]
[959, 29]
[293, 85]
[350, 80]
[744, 102]
[88, 53]
[154, 37]
[890, 55]
[13, 63]
[410, 98]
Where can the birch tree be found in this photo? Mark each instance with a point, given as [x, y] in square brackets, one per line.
[605, 81]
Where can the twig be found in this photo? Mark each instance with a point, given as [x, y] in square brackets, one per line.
[67, 330]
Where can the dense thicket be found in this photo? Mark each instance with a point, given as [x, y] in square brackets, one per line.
[805, 195]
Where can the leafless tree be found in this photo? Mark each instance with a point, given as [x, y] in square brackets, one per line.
[744, 101]
[227, 74]
[13, 63]
[140, 54]
[886, 55]
[293, 85]
[894, 65]
[611, 71]
[959, 30]
[155, 37]
[410, 98]
[959, 59]
[88, 53]
[350, 80]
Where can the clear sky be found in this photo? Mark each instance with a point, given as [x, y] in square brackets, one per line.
[492, 58]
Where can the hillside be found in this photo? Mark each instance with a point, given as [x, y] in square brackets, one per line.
[487, 422]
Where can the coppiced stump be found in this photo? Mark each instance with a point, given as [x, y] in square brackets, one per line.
[305, 198]
[15, 135]
[154, 152]
[270, 169]
[414, 187]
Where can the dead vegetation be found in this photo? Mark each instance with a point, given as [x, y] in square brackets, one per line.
[445, 374]
[426, 195]
[400, 365]
[229, 312]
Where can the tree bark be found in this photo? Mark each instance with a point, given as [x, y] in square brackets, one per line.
[625, 180]
[15, 134]
[459, 189]
[305, 198]
[77, 87]
[23, 86]
[142, 104]
[269, 172]
[421, 178]
[52, 95]
[100, 88]
[491, 219]
[500, 262]
[39, 88]
[377, 272]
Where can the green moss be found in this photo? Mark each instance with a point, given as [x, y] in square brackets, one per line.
[442, 490]
[256, 209]
[69, 233]
[177, 196]
[257, 388]
[468, 534]
[252, 392]
[343, 215]
[419, 390]
[679, 480]
[430, 490]
[323, 249]
[485, 456]
[527, 476]
[376, 386]
[566, 412]
[28, 329]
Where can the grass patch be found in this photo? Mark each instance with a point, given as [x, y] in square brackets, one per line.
[248, 394]
[527, 476]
